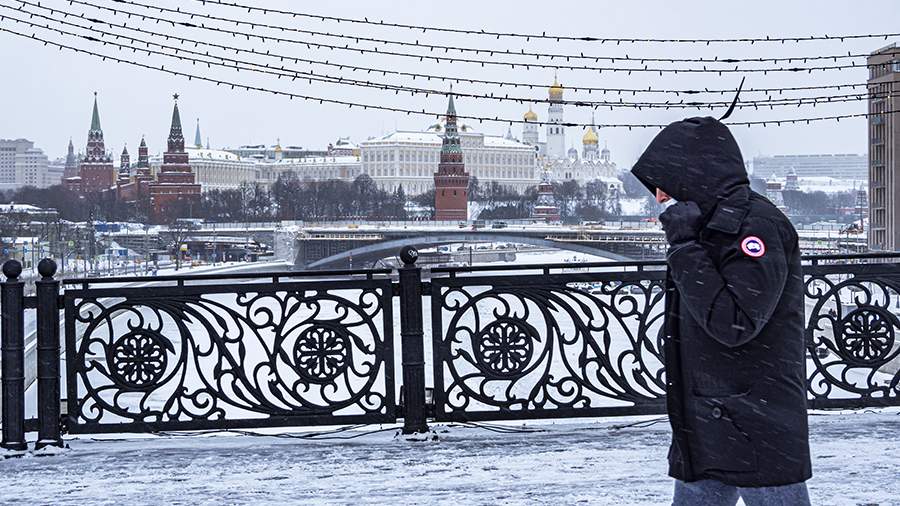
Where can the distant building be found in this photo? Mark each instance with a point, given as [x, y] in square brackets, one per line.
[95, 172]
[9, 150]
[343, 147]
[451, 181]
[773, 193]
[884, 149]
[592, 164]
[175, 185]
[841, 166]
[263, 152]
[71, 167]
[545, 208]
[792, 182]
[22, 164]
[343, 168]
[55, 171]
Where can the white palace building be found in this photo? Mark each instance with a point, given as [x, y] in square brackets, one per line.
[411, 159]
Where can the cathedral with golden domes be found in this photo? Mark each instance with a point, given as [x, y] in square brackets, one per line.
[590, 164]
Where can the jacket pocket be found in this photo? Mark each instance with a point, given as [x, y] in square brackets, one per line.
[719, 442]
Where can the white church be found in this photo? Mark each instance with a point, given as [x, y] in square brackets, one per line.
[563, 164]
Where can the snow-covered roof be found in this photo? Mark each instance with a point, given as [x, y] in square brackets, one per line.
[433, 138]
[501, 142]
[327, 160]
[211, 154]
[399, 136]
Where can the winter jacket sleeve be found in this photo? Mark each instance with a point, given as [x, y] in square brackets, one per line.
[733, 302]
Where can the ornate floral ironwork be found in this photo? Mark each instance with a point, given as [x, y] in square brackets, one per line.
[242, 355]
[322, 353]
[138, 359]
[868, 335]
[505, 347]
[850, 336]
[538, 345]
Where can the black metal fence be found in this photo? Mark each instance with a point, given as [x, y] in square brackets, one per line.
[311, 348]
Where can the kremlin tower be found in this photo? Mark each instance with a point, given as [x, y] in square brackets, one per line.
[545, 208]
[451, 181]
[124, 166]
[175, 184]
[96, 169]
[71, 169]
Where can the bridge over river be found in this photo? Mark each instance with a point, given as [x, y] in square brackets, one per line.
[360, 244]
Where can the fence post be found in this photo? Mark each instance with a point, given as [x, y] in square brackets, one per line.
[412, 342]
[12, 347]
[48, 356]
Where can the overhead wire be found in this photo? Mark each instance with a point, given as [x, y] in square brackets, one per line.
[422, 112]
[450, 79]
[476, 50]
[311, 76]
[544, 35]
[482, 63]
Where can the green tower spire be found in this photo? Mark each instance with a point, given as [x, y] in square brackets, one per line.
[95, 119]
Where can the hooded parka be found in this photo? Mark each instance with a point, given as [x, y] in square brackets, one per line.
[734, 350]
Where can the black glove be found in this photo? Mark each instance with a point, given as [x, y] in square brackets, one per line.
[681, 222]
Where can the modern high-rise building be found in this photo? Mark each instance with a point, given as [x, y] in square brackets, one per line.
[31, 168]
[22, 164]
[9, 149]
[884, 148]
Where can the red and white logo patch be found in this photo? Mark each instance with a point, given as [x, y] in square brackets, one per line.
[753, 246]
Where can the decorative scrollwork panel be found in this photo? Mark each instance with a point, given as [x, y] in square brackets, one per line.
[854, 355]
[213, 356]
[546, 346]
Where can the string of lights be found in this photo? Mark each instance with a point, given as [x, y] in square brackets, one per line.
[311, 76]
[543, 35]
[422, 112]
[461, 49]
[451, 79]
[474, 61]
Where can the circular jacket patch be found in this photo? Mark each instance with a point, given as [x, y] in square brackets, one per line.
[753, 246]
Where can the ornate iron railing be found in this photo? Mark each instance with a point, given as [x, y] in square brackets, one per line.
[539, 345]
[544, 341]
[223, 356]
[309, 348]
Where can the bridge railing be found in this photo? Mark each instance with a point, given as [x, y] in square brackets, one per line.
[374, 346]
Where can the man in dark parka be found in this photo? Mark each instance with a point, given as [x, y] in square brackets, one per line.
[734, 349]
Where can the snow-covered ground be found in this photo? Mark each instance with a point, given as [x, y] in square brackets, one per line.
[856, 457]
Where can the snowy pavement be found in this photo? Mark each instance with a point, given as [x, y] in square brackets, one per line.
[856, 461]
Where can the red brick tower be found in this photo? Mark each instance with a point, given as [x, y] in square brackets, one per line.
[451, 181]
[96, 169]
[174, 191]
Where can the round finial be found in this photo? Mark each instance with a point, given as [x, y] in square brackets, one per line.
[409, 255]
[47, 268]
[12, 269]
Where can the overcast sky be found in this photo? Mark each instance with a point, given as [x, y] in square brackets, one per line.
[47, 94]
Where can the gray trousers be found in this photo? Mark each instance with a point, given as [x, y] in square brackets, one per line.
[715, 493]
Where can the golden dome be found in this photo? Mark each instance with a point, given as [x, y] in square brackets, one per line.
[530, 115]
[556, 91]
[590, 137]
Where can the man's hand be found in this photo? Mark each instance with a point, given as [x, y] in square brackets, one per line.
[681, 222]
